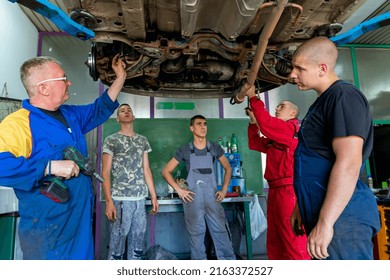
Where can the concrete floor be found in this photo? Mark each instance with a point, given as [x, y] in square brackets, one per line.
[256, 257]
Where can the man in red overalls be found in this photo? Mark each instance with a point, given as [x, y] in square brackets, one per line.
[279, 142]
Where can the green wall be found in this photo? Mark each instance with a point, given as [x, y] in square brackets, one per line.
[167, 135]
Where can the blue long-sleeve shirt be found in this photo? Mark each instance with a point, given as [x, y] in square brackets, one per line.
[28, 140]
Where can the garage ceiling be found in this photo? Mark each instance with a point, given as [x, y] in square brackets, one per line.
[377, 37]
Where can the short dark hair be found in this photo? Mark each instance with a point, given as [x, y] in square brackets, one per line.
[123, 104]
[196, 117]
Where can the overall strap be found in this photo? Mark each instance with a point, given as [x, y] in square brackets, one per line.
[192, 148]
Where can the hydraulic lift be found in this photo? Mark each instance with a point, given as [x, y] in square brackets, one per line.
[58, 17]
[362, 28]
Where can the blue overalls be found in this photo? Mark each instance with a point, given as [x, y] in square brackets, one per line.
[357, 224]
[205, 209]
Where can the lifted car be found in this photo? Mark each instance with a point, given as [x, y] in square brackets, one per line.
[203, 48]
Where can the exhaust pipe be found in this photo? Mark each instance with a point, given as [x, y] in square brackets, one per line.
[262, 46]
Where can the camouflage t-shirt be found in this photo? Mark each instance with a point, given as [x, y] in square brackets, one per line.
[128, 180]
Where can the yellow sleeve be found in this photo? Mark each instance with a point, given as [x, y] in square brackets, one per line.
[15, 134]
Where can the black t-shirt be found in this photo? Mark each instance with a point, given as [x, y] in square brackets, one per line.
[342, 110]
[57, 115]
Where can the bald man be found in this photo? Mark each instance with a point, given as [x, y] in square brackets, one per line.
[278, 142]
[338, 210]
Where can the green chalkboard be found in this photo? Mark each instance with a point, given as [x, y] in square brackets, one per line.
[167, 135]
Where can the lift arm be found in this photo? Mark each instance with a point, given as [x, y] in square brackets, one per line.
[362, 28]
[58, 17]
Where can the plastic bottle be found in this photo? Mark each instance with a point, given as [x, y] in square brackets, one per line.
[370, 182]
[234, 143]
[220, 141]
[225, 144]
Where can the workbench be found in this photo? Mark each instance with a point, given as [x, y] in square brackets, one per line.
[229, 203]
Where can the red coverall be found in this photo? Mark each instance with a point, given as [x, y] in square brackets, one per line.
[279, 144]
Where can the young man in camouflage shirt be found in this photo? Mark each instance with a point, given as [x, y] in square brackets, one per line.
[125, 155]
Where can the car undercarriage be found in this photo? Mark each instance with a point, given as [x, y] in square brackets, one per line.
[203, 48]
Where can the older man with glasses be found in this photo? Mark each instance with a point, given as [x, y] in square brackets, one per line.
[55, 214]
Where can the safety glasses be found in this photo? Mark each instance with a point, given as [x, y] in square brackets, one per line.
[64, 78]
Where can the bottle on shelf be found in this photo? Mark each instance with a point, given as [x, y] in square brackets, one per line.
[370, 182]
[220, 142]
[225, 144]
[234, 143]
